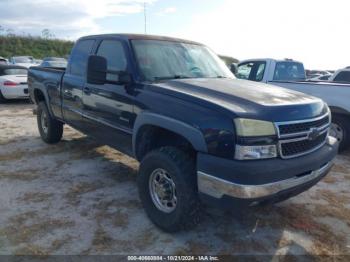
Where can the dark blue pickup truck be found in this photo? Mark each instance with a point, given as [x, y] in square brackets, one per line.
[199, 134]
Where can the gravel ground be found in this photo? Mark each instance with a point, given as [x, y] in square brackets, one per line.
[78, 197]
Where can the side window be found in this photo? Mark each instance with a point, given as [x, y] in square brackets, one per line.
[260, 72]
[289, 71]
[243, 70]
[251, 71]
[342, 77]
[80, 54]
[114, 52]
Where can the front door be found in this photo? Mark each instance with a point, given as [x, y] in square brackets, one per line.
[108, 108]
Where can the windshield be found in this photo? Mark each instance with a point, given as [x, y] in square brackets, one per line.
[289, 71]
[15, 71]
[23, 60]
[160, 60]
[54, 64]
[54, 59]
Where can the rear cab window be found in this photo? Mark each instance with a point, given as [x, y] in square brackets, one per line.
[253, 71]
[289, 71]
[79, 57]
[342, 77]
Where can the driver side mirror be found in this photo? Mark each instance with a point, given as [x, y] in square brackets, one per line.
[96, 70]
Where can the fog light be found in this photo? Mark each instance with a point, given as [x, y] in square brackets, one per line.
[255, 152]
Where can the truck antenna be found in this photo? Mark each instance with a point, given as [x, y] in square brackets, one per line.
[145, 16]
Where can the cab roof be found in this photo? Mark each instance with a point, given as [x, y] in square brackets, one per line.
[140, 37]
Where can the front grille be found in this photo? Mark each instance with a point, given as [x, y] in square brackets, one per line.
[302, 127]
[297, 138]
[303, 146]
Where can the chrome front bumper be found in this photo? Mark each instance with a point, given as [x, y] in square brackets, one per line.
[217, 187]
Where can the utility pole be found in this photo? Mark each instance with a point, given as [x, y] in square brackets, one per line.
[145, 16]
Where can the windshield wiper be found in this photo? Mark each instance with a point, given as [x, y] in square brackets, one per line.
[157, 78]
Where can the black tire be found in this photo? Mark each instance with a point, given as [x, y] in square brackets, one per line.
[342, 123]
[181, 168]
[52, 133]
[2, 98]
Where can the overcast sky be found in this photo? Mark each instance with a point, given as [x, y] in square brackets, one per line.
[314, 32]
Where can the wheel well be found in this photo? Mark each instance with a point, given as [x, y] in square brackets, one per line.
[38, 96]
[150, 137]
[339, 111]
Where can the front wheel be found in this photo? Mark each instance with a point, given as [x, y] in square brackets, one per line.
[340, 129]
[50, 129]
[167, 188]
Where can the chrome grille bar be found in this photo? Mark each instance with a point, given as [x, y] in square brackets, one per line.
[311, 134]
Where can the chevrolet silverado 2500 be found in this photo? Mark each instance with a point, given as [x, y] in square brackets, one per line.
[199, 133]
[291, 74]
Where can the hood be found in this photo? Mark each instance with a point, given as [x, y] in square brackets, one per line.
[247, 99]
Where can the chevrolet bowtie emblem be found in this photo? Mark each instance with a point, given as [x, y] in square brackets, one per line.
[313, 134]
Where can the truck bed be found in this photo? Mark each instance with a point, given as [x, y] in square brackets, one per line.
[336, 95]
[48, 80]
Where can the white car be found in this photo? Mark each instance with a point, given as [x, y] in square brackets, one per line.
[3, 61]
[13, 82]
[26, 61]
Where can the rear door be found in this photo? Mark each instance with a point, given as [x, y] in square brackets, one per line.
[73, 83]
[108, 108]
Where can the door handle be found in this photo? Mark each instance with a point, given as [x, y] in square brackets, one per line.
[86, 90]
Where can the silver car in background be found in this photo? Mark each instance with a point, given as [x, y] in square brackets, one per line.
[54, 62]
[26, 61]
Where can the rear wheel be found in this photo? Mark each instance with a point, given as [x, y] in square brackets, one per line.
[340, 129]
[167, 188]
[2, 98]
[50, 129]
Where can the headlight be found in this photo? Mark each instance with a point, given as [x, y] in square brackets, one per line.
[254, 128]
[251, 127]
[255, 152]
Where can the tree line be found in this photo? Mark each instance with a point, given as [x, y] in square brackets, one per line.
[14, 44]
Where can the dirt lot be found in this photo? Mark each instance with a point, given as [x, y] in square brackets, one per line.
[78, 197]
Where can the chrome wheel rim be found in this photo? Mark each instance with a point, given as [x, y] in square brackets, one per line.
[163, 191]
[336, 131]
[43, 121]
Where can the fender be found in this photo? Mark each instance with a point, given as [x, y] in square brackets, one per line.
[192, 134]
[46, 98]
[338, 110]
